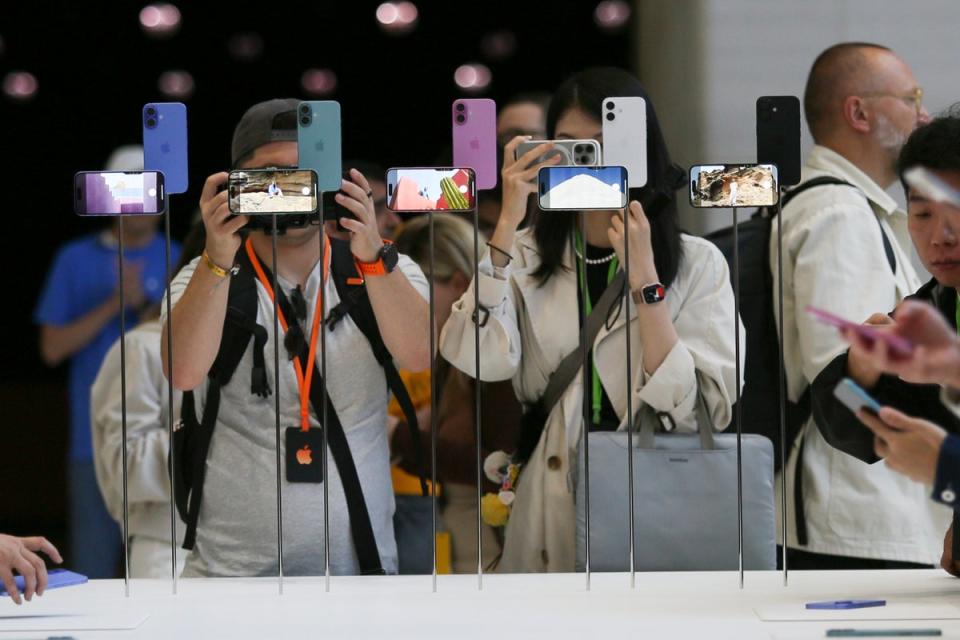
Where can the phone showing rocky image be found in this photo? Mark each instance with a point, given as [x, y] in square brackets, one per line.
[733, 185]
[272, 191]
[114, 193]
[582, 188]
[431, 189]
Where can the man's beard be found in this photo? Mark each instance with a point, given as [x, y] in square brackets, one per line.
[890, 138]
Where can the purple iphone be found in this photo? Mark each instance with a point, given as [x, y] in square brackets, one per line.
[475, 139]
[165, 143]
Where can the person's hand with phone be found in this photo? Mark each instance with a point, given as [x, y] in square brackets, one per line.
[356, 196]
[20, 555]
[936, 355]
[222, 227]
[637, 229]
[910, 446]
[518, 180]
[865, 353]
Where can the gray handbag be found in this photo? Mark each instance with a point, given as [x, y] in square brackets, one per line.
[685, 500]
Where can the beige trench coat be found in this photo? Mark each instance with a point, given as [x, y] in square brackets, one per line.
[531, 328]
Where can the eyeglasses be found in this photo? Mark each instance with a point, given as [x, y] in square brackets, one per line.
[915, 96]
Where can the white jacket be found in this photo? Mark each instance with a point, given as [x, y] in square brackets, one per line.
[148, 444]
[834, 259]
[529, 331]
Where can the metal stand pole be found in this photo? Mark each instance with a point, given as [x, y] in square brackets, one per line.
[626, 306]
[586, 405]
[739, 410]
[123, 409]
[323, 406]
[477, 393]
[173, 507]
[276, 402]
[781, 377]
[433, 408]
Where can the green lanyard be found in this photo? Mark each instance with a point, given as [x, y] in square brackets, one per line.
[585, 289]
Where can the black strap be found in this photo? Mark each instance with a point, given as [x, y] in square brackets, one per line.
[831, 180]
[355, 302]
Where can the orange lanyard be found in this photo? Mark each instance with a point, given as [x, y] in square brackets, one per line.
[303, 378]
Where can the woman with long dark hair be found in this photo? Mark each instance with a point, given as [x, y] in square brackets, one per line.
[531, 282]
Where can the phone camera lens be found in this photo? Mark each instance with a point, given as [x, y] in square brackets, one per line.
[305, 109]
[151, 111]
[461, 118]
[460, 106]
[578, 148]
[151, 122]
[611, 117]
[304, 120]
[584, 159]
[610, 106]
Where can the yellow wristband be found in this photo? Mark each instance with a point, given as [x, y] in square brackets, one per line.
[218, 271]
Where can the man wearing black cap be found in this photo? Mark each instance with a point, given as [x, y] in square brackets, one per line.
[237, 524]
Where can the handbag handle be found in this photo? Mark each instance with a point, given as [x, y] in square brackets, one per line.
[704, 427]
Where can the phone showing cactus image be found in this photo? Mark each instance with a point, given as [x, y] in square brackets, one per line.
[431, 189]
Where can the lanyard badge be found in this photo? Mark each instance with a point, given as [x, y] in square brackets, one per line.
[304, 444]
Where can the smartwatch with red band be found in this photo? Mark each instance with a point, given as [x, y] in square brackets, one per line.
[650, 294]
[386, 261]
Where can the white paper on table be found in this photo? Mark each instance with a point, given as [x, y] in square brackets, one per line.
[892, 611]
[27, 620]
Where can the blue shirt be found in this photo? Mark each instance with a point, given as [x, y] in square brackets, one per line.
[83, 277]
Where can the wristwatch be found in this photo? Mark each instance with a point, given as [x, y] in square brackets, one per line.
[650, 294]
[386, 261]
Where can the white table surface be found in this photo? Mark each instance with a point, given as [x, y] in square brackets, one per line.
[664, 605]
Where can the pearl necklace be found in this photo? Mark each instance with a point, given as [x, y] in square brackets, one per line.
[595, 261]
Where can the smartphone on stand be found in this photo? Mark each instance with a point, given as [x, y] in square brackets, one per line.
[264, 192]
[733, 185]
[475, 139]
[319, 141]
[582, 188]
[625, 137]
[115, 193]
[419, 189]
[778, 136]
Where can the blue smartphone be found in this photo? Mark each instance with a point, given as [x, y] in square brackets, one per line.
[165, 143]
[56, 578]
[854, 397]
[884, 633]
[319, 142]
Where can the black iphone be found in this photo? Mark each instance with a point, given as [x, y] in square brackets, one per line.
[778, 136]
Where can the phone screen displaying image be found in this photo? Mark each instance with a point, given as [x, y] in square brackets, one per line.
[733, 185]
[269, 191]
[107, 193]
[431, 190]
[580, 188]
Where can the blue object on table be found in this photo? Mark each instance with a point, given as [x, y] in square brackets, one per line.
[846, 604]
[55, 579]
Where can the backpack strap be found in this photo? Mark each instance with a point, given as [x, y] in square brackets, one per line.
[826, 180]
[192, 436]
[355, 302]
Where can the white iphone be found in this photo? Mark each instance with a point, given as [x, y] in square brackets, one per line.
[625, 137]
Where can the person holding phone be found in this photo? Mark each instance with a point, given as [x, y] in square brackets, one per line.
[236, 529]
[530, 294]
[846, 250]
[910, 384]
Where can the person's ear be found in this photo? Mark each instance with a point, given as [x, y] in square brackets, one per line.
[855, 114]
[459, 282]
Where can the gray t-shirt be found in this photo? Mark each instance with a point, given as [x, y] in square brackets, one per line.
[237, 525]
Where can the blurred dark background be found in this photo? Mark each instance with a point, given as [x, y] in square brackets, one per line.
[76, 74]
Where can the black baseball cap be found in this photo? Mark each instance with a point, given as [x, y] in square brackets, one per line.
[261, 125]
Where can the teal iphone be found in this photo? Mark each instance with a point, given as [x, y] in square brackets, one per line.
[319, 141]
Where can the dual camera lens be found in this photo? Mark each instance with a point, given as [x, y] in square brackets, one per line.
[461, 118]
[151, 113]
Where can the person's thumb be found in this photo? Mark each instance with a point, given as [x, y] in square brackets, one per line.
[896, 419]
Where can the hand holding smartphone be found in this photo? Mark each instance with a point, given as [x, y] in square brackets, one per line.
[899, 346]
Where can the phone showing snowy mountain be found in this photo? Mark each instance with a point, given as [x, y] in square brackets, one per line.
[580, 188]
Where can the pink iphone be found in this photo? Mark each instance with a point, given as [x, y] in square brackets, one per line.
[475, 139]
[899, 347]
